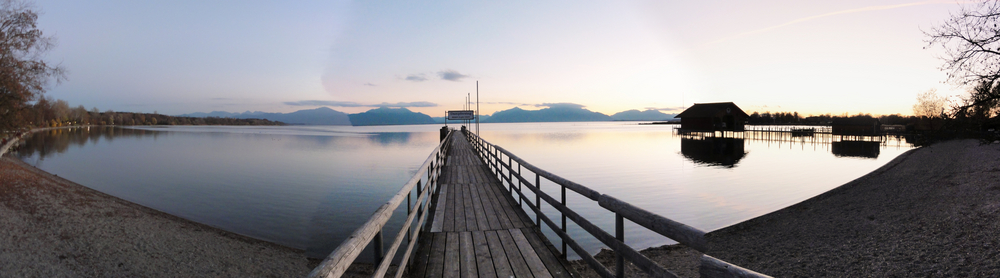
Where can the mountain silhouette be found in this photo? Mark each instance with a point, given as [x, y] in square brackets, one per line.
[555, 113]
[648, 115]
[318, 116]
[390, 116]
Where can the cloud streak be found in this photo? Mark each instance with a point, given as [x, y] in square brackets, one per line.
[451, 75]
[416, 77]
[808, 18]
[355, 104]
[561, 105]
[667, 109]
[510, 103]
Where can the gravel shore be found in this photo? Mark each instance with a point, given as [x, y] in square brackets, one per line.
[931, 212]
[52, 227]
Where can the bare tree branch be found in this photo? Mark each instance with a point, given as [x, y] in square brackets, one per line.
[971, 40]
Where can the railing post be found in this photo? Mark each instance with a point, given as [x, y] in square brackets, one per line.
[510, 176]
[538, 200]
[620, 236]
[519, 188]
[409, 209]
[379, 249]
[563, 220]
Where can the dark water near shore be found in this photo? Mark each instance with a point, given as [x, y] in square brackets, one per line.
[309, 187]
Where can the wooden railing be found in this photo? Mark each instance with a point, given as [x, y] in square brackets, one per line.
[495, 157]
[340, 259]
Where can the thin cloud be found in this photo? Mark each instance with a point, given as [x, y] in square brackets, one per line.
[561, 105]
[325, 103]
[451, 75]
[406, 104]
[370, 84]
[416, 77]
[510, 103]
[666, 109]
[355, 104]
[804, 19]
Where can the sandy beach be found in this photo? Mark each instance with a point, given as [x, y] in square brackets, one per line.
[53, 227]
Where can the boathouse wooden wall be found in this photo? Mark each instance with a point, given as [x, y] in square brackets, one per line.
[723, 116]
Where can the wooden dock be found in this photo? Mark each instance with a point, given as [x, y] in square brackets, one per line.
[477, 228]
[462, 221]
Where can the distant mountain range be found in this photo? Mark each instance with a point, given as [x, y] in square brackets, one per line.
[551, 114]
[403, 116]
[648, 115]
[390, 116]
[318, 116]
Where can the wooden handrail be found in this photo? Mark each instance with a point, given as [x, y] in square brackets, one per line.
[716, 268]
[680, 232]
[341, 258]
[578, 188]
[619, 247]
[677, 231]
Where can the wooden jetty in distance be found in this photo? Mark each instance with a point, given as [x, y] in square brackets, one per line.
[466, 218]
[802, 134]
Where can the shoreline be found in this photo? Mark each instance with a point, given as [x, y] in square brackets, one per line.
[932, 211]
[55, 227]
[911, 216]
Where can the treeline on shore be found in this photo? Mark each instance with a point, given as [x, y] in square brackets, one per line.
[794, 118]
[56, 113]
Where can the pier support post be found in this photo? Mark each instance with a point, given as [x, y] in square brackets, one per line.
[620, 236]
[378, 248]
[538, 200]
[563, 221]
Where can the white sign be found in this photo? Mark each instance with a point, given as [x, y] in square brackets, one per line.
[458, 115]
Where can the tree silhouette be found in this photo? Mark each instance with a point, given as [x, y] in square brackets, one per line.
[23, 74]
[929, 104]
[971, 40]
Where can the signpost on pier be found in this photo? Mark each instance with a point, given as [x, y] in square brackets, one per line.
[461, 115]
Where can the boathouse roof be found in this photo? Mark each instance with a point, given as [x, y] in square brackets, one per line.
[708, 110]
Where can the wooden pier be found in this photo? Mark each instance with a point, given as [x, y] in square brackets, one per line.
[466, 218]
[478, 230]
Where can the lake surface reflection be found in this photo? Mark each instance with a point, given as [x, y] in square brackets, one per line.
[309, 187]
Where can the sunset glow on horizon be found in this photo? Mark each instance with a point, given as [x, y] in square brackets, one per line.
[780, 56]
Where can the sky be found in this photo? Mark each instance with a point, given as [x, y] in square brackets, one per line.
[811, 57]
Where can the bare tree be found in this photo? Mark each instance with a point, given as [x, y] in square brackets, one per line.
[23, 73]
[929, 104]
[971, 39]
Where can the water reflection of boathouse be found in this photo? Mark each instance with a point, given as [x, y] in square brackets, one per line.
[715, 134]
[863, 149]
[713, 151]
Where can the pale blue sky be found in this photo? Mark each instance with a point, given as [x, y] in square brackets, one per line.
[196, 56]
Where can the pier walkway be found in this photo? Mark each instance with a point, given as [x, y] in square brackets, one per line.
[477, 228]
[463, 221]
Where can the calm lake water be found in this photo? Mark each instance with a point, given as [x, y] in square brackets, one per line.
[309, 187]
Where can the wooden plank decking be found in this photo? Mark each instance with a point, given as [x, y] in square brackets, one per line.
[477, 228]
